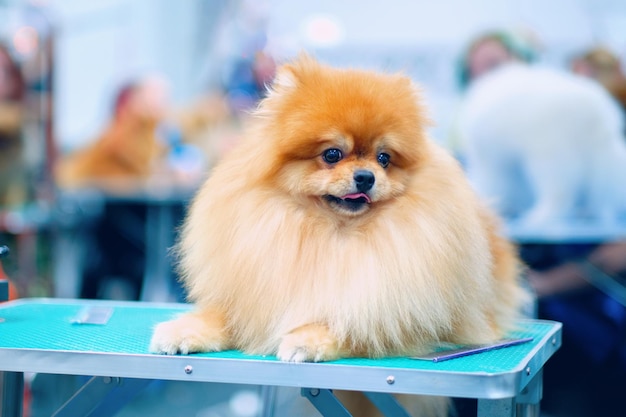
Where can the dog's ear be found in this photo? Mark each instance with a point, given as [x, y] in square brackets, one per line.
[285, 78]
[291, 74]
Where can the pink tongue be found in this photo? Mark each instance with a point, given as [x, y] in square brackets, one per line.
[355, 196]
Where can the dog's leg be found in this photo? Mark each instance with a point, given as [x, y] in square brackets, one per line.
[310, 343]
[197, 331]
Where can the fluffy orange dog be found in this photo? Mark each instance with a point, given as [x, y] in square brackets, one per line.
[337, 228]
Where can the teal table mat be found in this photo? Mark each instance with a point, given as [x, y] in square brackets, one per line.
[48, 325]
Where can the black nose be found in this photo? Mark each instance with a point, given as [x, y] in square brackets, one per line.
[364, 180]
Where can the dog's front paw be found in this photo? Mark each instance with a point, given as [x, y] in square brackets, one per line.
[309, 343]
[189, 333]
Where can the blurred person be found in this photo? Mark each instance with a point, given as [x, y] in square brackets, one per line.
[214, 121]
[489, 51]
[13, 183]
[129, 150]
[604, 66]
[586, 376]
[544, 145]
[248, 80]
[484, 53]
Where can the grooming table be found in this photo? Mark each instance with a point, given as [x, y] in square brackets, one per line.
[41, 336]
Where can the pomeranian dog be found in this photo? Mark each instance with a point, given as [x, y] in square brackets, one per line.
[546, 146]
[337, 228]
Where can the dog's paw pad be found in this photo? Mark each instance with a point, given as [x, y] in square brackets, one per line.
[184, 335]
[167, 339]
[301, 354]
[311, 343]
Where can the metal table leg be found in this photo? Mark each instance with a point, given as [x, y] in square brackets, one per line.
[11, 393]
[530, 397]
[329, 405]
[159, 226]
[387, 404]
[325, 401]
[526, 404]
[102, 397]
[497, 408]
[268, 395]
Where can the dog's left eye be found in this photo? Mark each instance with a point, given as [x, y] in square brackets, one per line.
[332, 155]
[383, 159]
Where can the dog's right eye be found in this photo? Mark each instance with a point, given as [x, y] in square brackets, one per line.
[332, 155]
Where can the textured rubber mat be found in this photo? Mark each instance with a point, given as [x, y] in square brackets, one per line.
[50, 325]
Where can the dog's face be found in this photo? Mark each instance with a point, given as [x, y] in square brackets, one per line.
[351, 140]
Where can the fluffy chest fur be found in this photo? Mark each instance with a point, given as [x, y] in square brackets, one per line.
[394, 281]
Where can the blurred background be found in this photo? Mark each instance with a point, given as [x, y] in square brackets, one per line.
[195, 45]
[99, 45]
[212, 60]
[113, 111]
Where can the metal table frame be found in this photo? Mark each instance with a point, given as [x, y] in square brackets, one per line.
[513, 393]
[76, 208]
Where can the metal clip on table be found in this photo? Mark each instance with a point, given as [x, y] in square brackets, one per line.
[44, 336]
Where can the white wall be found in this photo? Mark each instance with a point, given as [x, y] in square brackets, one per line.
[101, 43]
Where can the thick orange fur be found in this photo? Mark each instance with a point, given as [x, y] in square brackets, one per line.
[294, 275]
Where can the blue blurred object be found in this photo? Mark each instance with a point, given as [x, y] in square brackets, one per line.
[4, 283]
[182, 157]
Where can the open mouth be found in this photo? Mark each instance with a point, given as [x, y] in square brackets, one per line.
[351, 202]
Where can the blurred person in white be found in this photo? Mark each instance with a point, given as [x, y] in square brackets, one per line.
[545, 147]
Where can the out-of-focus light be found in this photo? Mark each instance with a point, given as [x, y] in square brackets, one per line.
[323, 31]
[26, 40]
